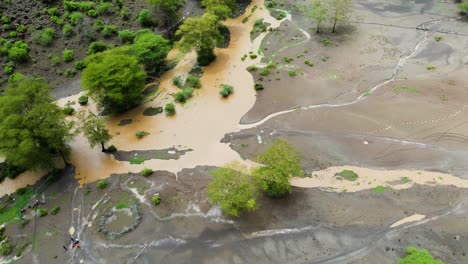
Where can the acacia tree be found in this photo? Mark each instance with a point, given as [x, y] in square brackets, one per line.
[281, 162]
[94, 130]
[33, 130]
[339, 11]
[170, 8]
[318, 11]
[232, 189]
[115, 80]
[221, 8]
[201, 34]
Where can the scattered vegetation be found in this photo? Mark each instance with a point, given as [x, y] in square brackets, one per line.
[83, 100]
[42, 212]
[226, 90]
[405, 179]
[183, 95]
[101, 184]
[44, 37]
[68, 55]
[55, 210]
[309, 63]
[68, 110]
[94, 129]
[418, 256]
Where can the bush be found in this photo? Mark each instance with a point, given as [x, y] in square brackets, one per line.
[309, 63]
[54, 59]
[292, 73]
[253, 56]
[109, 31]
[101, 184]
[6, 247]
[19, 52]
[104, 8]
[252, 68]
[21, 28]
[124, 13]
[348, 175]
[326, 41]
[76, 18]
[184, 95]
[98, 25]
[193, 82]
[80, 65]
[68, 55]
[68, 110]
[430, 67]
[146, 172]
[205, 56]
[126, 36]
[169, 109]
[56, 20]
[53, 11]
[44, 37]
[463, 6]
[287, 59]
[43, 212]
[55, 210]
[111, 149]
[415, 256]
[83, 100]
[140, 134]
[264, 72]
[70, 73]
[177, 81]
[97, 46]
[67, 30]
[92, 13]
[226, 90]
[9, 68]
[156, 199]
[258, 86]
[144, 18]
[437, 38]
[12, 34]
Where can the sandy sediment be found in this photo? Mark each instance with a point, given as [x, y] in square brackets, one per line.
[371, 178]
[409, 219]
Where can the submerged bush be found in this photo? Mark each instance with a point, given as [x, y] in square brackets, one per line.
[83, 100]
[170, 109]
[226, 90]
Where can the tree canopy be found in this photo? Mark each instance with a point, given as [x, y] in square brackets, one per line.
[151, 50]
[114, 79]
[339, 11]
[281, 162]
[33, 131]
[170, 8]
[232, 189]
[221, 8]
[201, 34]
[318, 11]
[94, 130]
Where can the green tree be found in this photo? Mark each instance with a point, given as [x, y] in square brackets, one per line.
[151, 50]
[463, 6]
[33, 131]
[232, 189]
[170, 8]
[221, 8]
[201, 34]
[114, 80]
[415, 256]
[340, 11]
[94, 130]
[19, 52]
[318, 11]
[281, 162]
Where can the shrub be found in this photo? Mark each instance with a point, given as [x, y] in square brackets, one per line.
[111, 149]
[415, 256]
[137, 160]
[281, 16]
[348, 175]
[56, 20]
[140, 134]
[144, 18]
[253, 56]
[146, 172]
[177, 81]
[97, 46]
[76, 18]
[258, 86]
[193, 82]
[124, 13]
[98, 25]
[55, 60]
[430, 67]
[83, 100]
[126, 36]
[70, 73]
[53, 11]
[43, 212]
[264, 72]
[6, 27]
[170, 109]
[252, 68]
[287, 59]
[55, 210]
[156, 199]
[68, 55]
[326, 41]
[6, 248]
[12, 34]
[104, 8]
[109, 31]
[463, 6]
[292, 73]
[101, 184]
[92, 13]
[309, 63]
[67, 30]
[24, 222]
[68, 110]
[379, 189]
[21, 28]
[19, 52]
[437, 38]
[184, 95]
[80, 65]
[226, 90]
[9, 68]
[44, 37]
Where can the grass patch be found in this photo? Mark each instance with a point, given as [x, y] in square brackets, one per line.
[379, 189]
[405, 179]
[348, 175]
[121, 206]
[156, 199]
[326, 41]
[21, 200]
[146, 172]
[101, 184]
[405, 89]
[137, 160]
[292, 73]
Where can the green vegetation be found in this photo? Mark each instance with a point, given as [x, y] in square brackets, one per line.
[126, 36]
[264, 72]
[430, 67]
[44, 37]
[42, 212]
[33, 131]
[232, 189]
[463, 6]
[94, 129]
[76, 18]
[326, 41]
[83, 100]
[405, 179]
[68, 55]
[67, 30]
[144, 18]
[281, 162]
[141, 134]
[101, 184]
[151, 50]
[226, 90]
[379, 189]
[418, 256]
[318, 11]
[221, 8]
[55, 210]
[137, 160]
[18, 52]
[22, 198]
[121, 206]
[258, 27]
[170, 8]
[348, 175]
[258, 86]
[97, 46]
[193, 82]
[170, 109]
[156, 199]
[406, 89]
[146, 172]
[6, 247]
[292, 73]
[437, 38]
[252, 68]
[287, 59]
[183, 95]
[109, 31]
[335, 11]
[309, 63]
[201, 34]
[68, 110]
[114, 80]
[177, 81]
